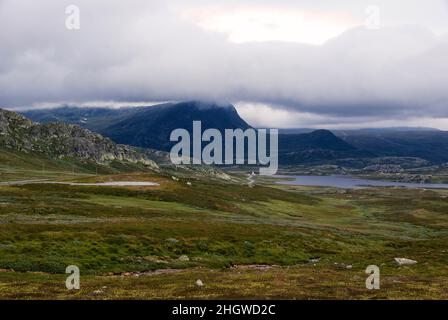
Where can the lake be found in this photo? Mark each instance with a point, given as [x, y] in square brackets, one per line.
[347, 182]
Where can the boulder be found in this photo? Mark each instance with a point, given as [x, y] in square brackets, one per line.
[199, 283]
[405, 261]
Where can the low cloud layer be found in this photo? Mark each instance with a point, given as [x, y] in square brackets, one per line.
[150, 51]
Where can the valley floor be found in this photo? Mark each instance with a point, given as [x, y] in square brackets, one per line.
[265, 242]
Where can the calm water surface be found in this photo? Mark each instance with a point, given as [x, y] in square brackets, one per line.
[348, 182]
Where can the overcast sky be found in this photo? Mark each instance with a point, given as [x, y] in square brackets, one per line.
[283, 63]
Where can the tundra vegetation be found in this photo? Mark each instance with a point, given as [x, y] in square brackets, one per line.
[240, 241]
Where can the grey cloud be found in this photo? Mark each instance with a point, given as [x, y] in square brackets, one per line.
[143, 51]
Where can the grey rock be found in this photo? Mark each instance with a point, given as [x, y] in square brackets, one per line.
[405, 261]
[183, 258]
[199, 283]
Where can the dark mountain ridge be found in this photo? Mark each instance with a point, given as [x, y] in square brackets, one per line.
[150, 127]
[431, 145]
[316, 146]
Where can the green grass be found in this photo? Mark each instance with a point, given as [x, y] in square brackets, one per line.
[114, 230]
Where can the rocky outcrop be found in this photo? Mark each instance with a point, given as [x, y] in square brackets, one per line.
[60, 140]
[405, 261]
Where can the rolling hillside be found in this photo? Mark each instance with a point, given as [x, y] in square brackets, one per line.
[21, 138]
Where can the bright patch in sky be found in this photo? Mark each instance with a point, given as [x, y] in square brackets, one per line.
[262, 115]
[257, 24]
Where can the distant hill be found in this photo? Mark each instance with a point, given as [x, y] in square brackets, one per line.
[431, 145]
[60, 140]
[316, 146]
[417, 142]
[341, 132]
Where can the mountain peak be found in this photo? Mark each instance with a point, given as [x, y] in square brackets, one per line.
[151, 127]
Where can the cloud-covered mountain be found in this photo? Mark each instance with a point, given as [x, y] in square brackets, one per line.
[150, 127]
[158, 51]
